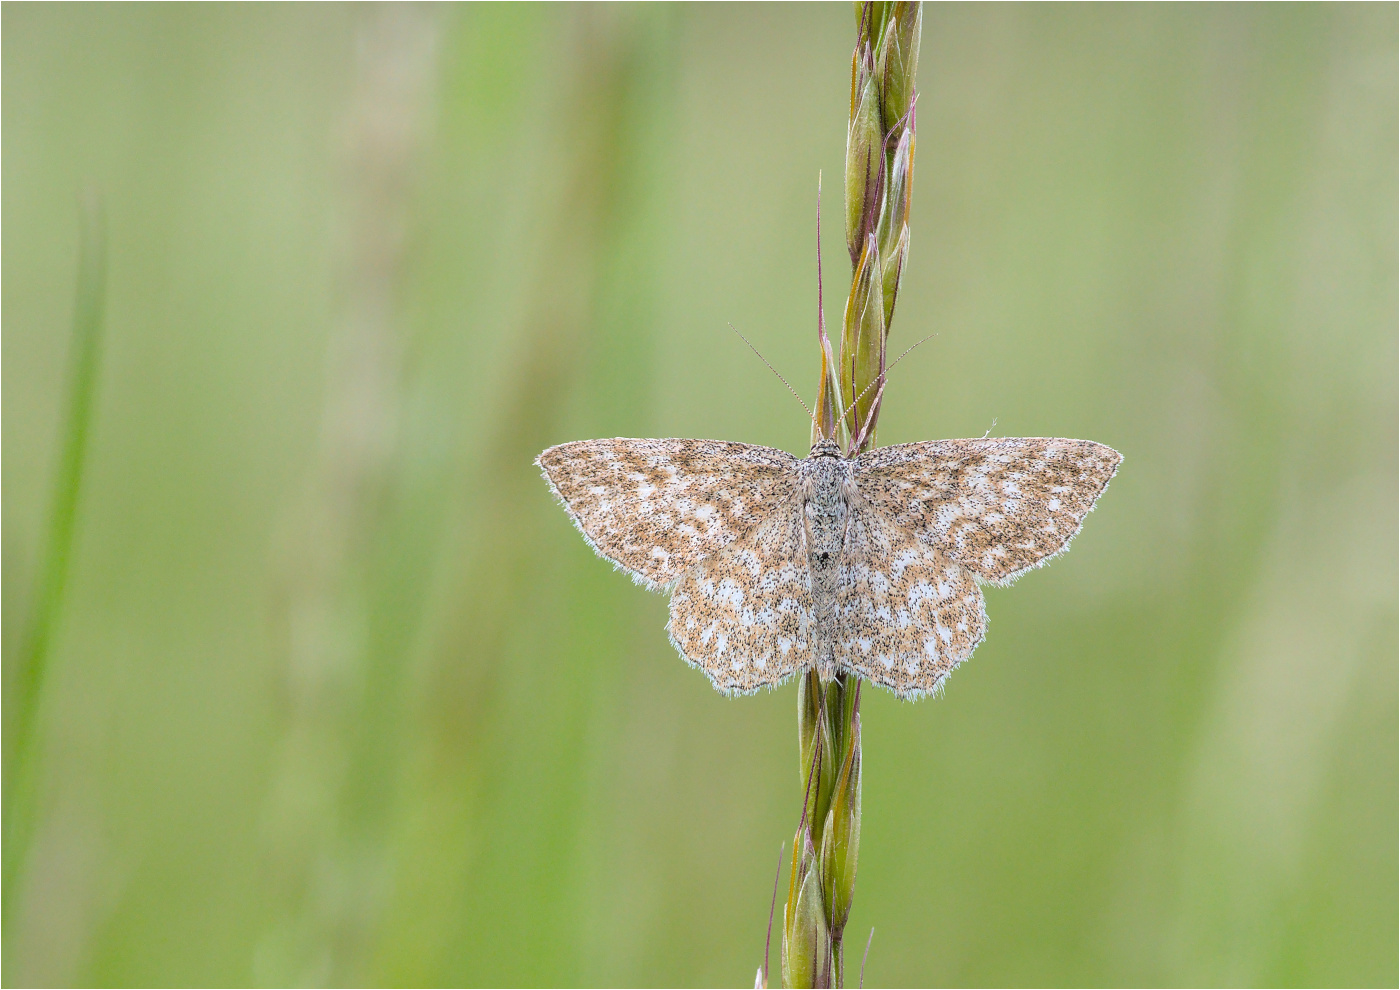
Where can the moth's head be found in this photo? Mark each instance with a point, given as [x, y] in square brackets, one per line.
[825, 447]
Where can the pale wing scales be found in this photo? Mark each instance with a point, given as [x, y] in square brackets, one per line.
[906, 614]
[744, 615]
[656, 508]
[997, 506]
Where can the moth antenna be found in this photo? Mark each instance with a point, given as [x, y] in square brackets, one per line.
[866, 956]
[821, 310]
[878, 380]
[910, 348]
[775, 371]
[865, 430]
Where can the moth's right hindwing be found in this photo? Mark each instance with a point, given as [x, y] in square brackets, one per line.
[656, 508]
[906, 614]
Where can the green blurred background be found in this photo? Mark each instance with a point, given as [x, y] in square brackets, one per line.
[337, 694]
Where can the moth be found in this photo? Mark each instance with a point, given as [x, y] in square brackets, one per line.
[868, 564]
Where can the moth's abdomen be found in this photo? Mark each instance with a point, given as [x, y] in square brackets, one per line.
[826, 528]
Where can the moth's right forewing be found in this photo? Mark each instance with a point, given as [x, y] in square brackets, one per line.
[656, 508]
[997, 506]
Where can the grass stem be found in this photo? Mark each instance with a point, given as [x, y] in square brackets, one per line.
[21, 769]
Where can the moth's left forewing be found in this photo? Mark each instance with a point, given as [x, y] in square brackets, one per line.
[656, 508]
[997, 506]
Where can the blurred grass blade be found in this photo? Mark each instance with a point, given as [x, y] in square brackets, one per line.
[20, 772]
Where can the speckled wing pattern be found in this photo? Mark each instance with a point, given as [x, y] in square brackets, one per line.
[996, 506]
[656, 508]
[744, 616]
[906, 613]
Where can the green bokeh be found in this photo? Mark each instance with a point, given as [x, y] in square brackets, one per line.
[338, 695]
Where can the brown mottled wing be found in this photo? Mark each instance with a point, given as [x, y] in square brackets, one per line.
[744, 615]
[656, 508]
[997, 506]
[906, 614]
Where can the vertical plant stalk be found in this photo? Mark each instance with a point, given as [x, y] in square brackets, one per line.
[878, 183]
[21, 766]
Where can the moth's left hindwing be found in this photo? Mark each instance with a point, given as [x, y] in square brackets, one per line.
[656, 508]
[744, 616]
